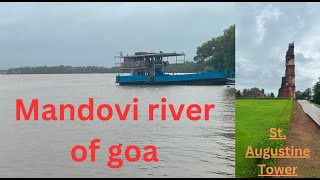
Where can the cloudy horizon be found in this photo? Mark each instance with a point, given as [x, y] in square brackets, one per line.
[83, 34]
[263, 33]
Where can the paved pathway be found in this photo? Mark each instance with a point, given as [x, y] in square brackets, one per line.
[310, 109]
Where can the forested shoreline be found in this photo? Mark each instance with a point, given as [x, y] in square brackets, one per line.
[186, 67]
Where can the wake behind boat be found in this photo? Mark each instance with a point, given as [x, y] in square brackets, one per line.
[149, 69]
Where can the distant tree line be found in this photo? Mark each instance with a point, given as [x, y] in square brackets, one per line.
[311, 94]
[304, 95]
[186, 67]
[59, 70]
[253, 92]
[269, 95]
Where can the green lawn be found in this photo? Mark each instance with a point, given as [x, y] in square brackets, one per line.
[254, 118]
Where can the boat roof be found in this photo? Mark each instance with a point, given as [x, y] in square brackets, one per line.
[153, 55]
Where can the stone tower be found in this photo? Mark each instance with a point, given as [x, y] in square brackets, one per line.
[288, 86]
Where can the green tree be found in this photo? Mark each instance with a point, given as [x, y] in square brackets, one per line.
[245, 92]
[238, 93]
[253, 92]
[307, 94]
[316, 92]
[299, 95]
[219, 50]
[272, 95]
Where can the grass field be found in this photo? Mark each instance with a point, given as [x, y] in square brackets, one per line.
[254, 118]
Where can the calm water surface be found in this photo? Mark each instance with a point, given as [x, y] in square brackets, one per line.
[185, 148]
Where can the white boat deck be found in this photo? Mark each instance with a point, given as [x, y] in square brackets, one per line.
[310, 109]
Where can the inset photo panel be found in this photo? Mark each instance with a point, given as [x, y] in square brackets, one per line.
[278, 90]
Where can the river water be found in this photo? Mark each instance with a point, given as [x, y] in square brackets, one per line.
[184, 148]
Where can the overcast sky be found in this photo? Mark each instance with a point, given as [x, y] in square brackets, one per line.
[263, 33]
[81, 34]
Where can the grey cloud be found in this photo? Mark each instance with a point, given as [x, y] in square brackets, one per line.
[92, 33]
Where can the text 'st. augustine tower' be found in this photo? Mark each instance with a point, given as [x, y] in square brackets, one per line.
[288, 86]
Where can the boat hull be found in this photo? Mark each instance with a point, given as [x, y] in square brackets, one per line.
[187, 82]
[209, 78]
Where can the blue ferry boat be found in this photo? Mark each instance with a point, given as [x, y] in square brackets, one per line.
[145, 68]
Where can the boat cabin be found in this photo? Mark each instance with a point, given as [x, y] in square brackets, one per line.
[145, 63]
